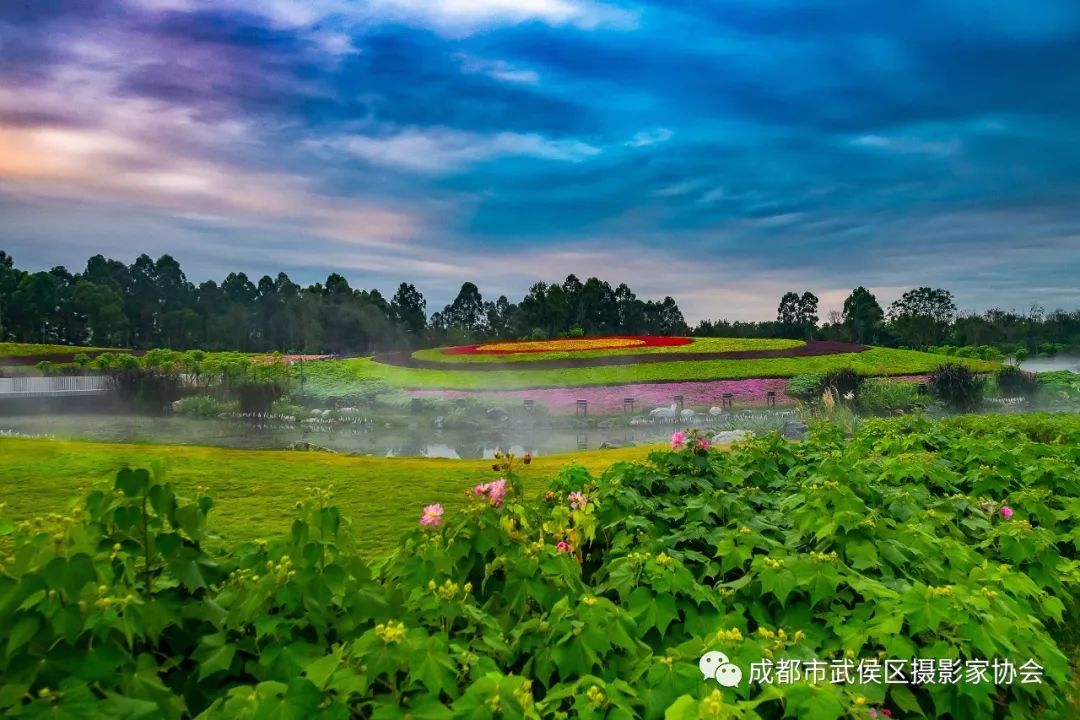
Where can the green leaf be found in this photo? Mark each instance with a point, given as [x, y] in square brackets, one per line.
[21, 633]
[905, 699]
[685, 708]
[778, 582]
[125, 708]
[219, 660]
[433, 667]
[12, 694]
[132, 482]
[298, 701]
[861, 554]
[319, 672]
[127, 517]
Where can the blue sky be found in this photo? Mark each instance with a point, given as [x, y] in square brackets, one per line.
[721, 152]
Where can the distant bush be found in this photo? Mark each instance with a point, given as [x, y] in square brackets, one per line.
[203, 406]
[880, 396]
[805, 387]
[284, 406]
[1014, 382]
[1021, 354]
[980, 352]
[257, 398]
[956, 386]
[809, 386]
[1050, 349]
[844, 380]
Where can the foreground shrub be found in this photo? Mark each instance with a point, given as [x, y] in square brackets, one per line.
[956, 386]
[1011, 381]
[952, 540]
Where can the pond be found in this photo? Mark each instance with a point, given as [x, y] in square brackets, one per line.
[373, 438]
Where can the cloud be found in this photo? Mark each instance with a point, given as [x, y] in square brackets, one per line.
[454, 17]
[908, 145]
[650, 137]
[458, 17]
[498, 69]
[444, 150]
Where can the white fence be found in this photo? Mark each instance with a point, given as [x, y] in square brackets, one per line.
[63, 385]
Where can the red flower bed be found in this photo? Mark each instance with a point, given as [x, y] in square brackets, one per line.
[612, 342]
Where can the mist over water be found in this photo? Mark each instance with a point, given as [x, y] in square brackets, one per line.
[1060, 362]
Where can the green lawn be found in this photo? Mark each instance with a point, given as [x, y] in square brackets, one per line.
[255, 491]
[9, 349]
[697, 345]
[345, 376]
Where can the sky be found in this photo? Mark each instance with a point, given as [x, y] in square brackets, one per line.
[720, 152]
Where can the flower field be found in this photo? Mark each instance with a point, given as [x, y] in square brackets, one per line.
[584, 348]
[938, 554]
[568, 345]
[338, 377]
[700, 395]
[609, 399]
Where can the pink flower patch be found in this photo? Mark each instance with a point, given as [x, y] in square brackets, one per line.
[609, 398]
[432, 516]
[493, 491]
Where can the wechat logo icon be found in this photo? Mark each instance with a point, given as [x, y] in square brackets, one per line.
[715, 666]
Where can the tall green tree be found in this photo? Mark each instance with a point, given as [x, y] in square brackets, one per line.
[466, 313]
[863, 316]
[921, 315]
[103, 307]
[798, 314]
[410, 309]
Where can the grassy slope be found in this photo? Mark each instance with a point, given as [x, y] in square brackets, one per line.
[255, 491]
[9, 349]
[697, 345]
[337, 377]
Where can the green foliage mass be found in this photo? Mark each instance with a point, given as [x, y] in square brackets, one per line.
[1062, 383]
[890, 544]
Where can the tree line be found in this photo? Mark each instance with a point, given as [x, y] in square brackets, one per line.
[921, 318]
[151, 303]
